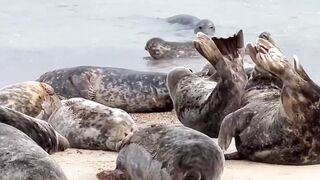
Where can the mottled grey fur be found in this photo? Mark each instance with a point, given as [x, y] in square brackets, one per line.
[167, 152]
[279, 119]
[90, 125]
[38, 130]
[31, 98]
[202, 103]
[132, 91]
[21, 158]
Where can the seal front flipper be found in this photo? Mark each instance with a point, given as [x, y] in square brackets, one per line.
[83, 85]
[231, 124]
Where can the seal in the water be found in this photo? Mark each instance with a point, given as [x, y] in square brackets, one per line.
[202, 103]
[90, 125]
[132, 91]
[22, 158]
[199, 25]
[31, 98]
[161, 49]
[167, 152]
[38, 130]
[279, 119]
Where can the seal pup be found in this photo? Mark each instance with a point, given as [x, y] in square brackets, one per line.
[32, 98]
[38, 130]
[167, 152]
[161, 49]
[279, 119]
[22, 158]
[90, 125]
[132, 91]
[202, 103]
[199, 25]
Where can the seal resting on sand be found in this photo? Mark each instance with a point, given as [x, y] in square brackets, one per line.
[279, 119]
[22, 158]
[38, 130]
[132, 91]
[32, 98]
[167, 152]
[202, 103]
[90, 125]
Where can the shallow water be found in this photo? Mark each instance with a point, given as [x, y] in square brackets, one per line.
[39, 35]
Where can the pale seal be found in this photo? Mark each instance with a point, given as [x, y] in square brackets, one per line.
[167, 152]
[199, 25]
[90, 125]
[279, 119]
[202, 103]
[32, 98]
[132, 91]
[22, 158]
[38, 130]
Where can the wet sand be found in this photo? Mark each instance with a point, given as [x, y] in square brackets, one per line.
[79, 164]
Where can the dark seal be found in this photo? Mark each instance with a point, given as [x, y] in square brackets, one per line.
[32, 98]
[90, 125]
[278, 121]
[198, 25]
[132, 91]
[38, 130]
[202, 103]
[22, 158]
[167, 152]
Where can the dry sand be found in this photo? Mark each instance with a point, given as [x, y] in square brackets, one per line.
[80, 164]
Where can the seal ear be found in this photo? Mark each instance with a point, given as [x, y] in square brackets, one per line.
[299, 69]
[192, 175]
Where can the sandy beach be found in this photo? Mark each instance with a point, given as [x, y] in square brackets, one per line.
[79, 164]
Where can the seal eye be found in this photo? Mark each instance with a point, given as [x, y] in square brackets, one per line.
[200, 27]
[190, 70]
[211, 27]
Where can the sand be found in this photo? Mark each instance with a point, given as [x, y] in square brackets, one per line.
[79, 164]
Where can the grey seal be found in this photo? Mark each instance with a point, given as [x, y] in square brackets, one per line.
[167, 152]
[278, 121]
[22, 158]
[38, 130]
[199, 25]
[132, 91]
[90, 125]
[32, 98]
[202, 103]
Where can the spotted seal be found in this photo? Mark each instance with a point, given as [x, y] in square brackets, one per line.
[199, 25]
[90, 125]
[22, 158]
[38, 130]
[278, 121]
[202, 103]
[132, 91]
[161, 49]
[32, 98]
[167, 152]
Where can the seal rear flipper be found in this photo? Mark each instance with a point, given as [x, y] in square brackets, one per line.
[299, 69]
[112, 175]
[83, 85]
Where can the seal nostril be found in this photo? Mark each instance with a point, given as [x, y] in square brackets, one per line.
[125, 134]
[200, 27]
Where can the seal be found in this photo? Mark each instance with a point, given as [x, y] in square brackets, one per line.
[22, 158]
[202, 103]
[31, 98]
[38, 130]
[167, 152]
[90, 125]
[161, 49]
[132, 91]
[199, 25]
[278, 121]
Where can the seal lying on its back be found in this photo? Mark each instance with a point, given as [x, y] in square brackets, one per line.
[167, 152]
[90, 125]
[38, 130]
[279, 120]
[132, 91]
[161, 49]
[31, 98]
[199, 25]
[22, 158]
[202, 103]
